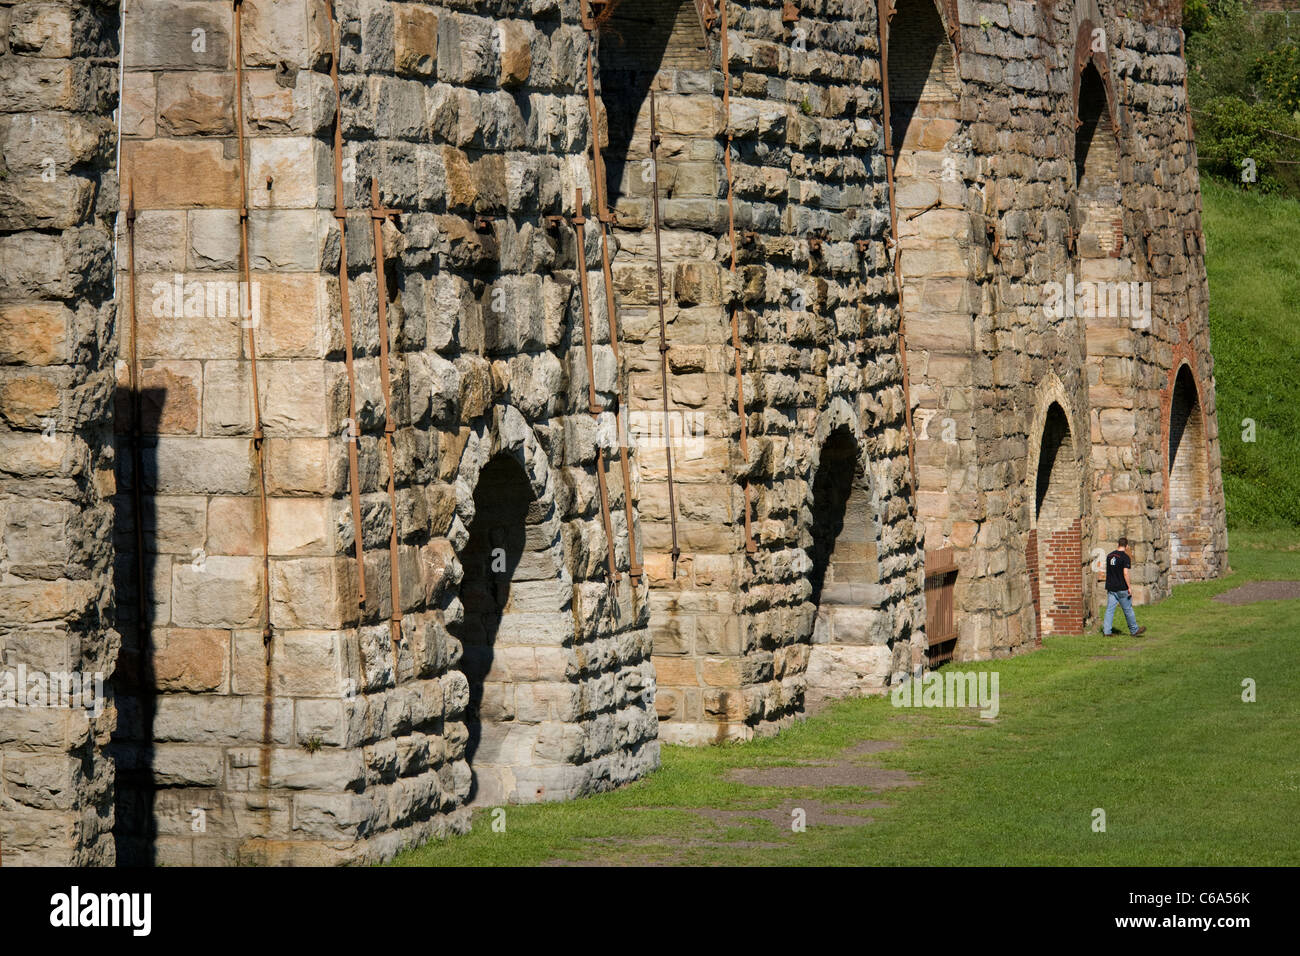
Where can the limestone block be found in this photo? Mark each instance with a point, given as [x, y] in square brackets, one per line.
[300, 170]
[179, 35]
[221, 591]
[33, 333]
[415, 39]
[313, 592]
[191, 660]
[210, 178]
[191, 104]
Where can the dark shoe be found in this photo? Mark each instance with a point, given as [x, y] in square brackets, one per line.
[1139, 632]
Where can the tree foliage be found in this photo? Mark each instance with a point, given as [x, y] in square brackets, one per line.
[1244, 84]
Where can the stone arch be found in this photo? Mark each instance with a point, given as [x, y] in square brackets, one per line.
[514, 620]
[1054, 552]
[923, 78]
[852, 637]
[1097, 212]
[1187, 481]
[657, 44]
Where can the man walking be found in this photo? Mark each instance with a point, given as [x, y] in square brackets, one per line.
[1118, 590]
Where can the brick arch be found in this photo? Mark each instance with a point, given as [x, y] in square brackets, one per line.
[1187, 478]
[852, 635]
[1054, 550]
[513, 619]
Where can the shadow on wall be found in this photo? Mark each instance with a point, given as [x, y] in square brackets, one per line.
[497, 539]
[640, 39]
[135, 680]
[922, 69]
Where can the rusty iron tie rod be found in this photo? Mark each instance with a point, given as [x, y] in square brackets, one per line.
[750, 546]
[137, 461]
[264, 750]
[345, 307]
[882, 26]
[259, 437]
[663, 329]
[604, 218]
[378, 214]
[593, 403]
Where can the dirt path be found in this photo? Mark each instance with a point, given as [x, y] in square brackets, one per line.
[852, 767]
[1256, 591]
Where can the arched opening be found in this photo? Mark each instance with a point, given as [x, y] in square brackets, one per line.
[514, 607]
[657, 44]
[851, 650]
[1099, 223]
[1189, 483]
[923, 86]
[1055, 558]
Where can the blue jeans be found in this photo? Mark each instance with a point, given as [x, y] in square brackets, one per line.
[1124, 600]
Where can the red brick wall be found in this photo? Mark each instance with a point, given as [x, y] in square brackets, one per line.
[1062, 566]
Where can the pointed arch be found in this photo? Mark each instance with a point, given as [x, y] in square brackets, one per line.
[1187, 480]
[513, 619]
[854, 647]
[1097, 213]
[1054, 551]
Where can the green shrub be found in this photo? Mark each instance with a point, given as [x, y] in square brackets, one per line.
[1243, 77]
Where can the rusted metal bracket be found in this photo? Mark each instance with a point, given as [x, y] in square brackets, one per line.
[708, 14]
[345, 309]
[593, 403]
[595, 13]
[921, 212]
[378, 214]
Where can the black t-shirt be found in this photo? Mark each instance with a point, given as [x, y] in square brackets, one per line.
[1116, 562]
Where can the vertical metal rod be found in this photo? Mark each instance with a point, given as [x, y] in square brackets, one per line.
[258, 435]
[604, 218]
[663, 333]
[750, 546]
[593, 405]
[345, 307]
[378, 214]
[264, 756]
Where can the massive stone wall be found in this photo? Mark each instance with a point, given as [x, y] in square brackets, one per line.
[57, 345]
[578, 536]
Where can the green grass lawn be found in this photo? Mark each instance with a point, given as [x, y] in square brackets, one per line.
[1252, 242]
[1152, 730]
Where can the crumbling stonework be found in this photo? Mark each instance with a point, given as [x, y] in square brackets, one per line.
[578, 536]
